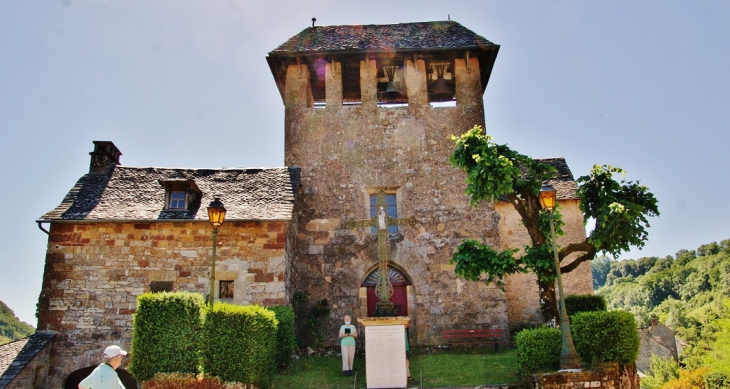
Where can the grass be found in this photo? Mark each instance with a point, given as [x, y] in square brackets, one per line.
[439, 370]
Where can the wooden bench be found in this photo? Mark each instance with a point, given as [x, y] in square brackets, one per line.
[477, 336]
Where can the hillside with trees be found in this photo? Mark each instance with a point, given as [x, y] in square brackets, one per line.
[11, 328]
[689, 292]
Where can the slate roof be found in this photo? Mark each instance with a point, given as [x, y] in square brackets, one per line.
[383, 37]
[564, 183]
[136, 193]
[15, 355]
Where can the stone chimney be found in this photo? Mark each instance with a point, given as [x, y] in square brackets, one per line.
[104, 156]
[653, 322]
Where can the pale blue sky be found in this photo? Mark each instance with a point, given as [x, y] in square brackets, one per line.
[640, 85]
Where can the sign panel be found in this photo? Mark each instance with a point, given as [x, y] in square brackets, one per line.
[385, 356]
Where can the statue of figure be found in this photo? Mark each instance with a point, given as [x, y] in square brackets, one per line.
[381, 219]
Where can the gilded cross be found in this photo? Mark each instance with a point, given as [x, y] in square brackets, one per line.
[381, 221]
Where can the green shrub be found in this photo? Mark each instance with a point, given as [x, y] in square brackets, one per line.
[165, 334]
[538, 349]
[717, 380]
[239, 343]
[606, 336]
[285, 338]
[575, 303]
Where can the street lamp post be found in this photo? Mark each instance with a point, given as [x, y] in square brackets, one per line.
[216, 215]
[569, 358]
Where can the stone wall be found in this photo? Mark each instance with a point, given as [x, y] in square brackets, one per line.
[95, 271]
[347, 153]
[521, 289]
[608, 376]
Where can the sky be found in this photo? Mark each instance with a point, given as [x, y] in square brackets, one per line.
[178, 83]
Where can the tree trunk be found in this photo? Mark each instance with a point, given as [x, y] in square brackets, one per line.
[549, 303]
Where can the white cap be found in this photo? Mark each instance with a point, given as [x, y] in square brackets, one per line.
[113, 351]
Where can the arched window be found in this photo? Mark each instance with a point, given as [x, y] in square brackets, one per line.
[400, 297]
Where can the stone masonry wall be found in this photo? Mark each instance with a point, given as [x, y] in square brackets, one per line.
[607, 376]
[521, 289]
[95, 271]
[347, 153]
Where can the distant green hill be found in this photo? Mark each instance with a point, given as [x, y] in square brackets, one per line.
[689, 292]
[11, 328]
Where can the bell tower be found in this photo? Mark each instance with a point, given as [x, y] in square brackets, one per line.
[370, 108]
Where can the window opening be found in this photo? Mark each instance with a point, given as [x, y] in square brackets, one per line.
[317, 77]
[441, 85]
[392, 87]
[177, 199]
[351, 94]
[390, 201]
[226, 290]
[160, 286]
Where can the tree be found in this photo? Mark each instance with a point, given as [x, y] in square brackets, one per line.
[620, 210]
[600, 267]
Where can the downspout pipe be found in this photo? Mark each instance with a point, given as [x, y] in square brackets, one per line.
[40, 225]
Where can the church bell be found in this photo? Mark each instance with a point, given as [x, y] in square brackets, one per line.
[390, 92]
[441, 89]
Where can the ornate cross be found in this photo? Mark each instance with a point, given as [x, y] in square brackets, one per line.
[381, 221]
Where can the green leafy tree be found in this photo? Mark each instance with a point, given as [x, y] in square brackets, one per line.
[11, 328]
[620, 210]
[600, 267]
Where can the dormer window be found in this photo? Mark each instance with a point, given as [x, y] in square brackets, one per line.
[181, 194]
[177, 200]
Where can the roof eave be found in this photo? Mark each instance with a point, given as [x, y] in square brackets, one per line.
[157, 220]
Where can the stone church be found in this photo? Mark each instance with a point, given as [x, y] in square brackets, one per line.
[368, 108]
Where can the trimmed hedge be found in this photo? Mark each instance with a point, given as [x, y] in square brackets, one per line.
[285, 337]
[538, 349]
[238, 343]
[605, 336]
[575, 303]
[165, 334]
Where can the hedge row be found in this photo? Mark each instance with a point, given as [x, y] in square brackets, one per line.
[606, 336]
[575, 303]
[239, 343]
[285, 336]
[166, 334]
[538, 349]
[177, 333]
[597, 336]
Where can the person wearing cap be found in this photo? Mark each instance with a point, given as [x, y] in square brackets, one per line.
[105, 375]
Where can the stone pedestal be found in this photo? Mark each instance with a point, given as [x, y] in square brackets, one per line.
[385, 351]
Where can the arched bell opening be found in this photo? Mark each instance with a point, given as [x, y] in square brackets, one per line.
[73, 380]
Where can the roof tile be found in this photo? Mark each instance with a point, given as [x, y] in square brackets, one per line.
[383, 37]
[135, 193]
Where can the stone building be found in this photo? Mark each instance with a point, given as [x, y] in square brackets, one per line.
[122, 231]
[368, 108]
[372, 108]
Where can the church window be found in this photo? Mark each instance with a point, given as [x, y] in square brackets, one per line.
[390, 201]
[226, 289]
[177, 199]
